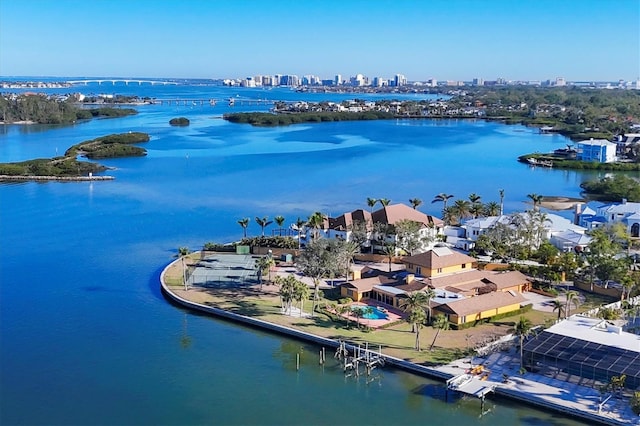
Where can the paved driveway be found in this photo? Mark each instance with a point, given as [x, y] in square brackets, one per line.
[540, 302]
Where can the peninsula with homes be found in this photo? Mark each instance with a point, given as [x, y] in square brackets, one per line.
[528, 305]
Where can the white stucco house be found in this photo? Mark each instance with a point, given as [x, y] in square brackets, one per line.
[559, 231]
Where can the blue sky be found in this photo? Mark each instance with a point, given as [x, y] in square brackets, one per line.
[580, 40]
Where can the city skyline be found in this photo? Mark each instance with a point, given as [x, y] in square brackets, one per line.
[444, 40]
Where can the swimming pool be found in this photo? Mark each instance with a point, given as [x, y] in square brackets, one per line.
[375, 313]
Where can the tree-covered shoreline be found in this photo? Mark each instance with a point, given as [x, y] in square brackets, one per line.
[43, 109]
[110, 146]
[267, 119]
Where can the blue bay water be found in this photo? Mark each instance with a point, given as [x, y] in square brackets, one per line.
[86, 336]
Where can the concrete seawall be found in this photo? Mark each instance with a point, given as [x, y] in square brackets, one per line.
[55, 178]
[514, 394]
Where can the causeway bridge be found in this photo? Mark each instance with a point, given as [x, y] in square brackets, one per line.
[113, 81]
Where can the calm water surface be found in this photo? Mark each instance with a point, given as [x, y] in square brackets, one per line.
[87, 338]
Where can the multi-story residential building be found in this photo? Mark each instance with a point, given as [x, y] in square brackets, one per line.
[599, 150]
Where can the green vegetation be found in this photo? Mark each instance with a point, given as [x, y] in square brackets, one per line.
[560, 162]
[111, 146]
[270, 119]
[275, 242]
[42, 109]
[613, 188]
[59, 166]
[578, 113]
[179, 121]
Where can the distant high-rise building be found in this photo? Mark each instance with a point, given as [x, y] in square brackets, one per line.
[399, 80]
[358, 80]
[432, 82]
[478, 82]
[560, 81]
[338, 80]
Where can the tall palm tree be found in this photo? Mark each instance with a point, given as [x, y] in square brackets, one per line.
[572, 299]
[501, 193]
[492, 209]
[558, 306]
[244, 223]
[474, 198]
[280, 221]
[430, 294]
[263, 223]
[443, 198]
[536, 199]
[440, 322]
[385, 201]
[348, 251]
[316, 222]
[415, 202]
[300, 223]
[462, 209]
[417, 301]
[523, 329]
[182, 253]
[371, 202]
[416, 319]
[264, 264]
[301, 293]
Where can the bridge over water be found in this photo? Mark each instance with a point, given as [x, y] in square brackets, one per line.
[113, 81]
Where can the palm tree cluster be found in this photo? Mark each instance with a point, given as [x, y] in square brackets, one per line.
[292, 289]
[470, 208]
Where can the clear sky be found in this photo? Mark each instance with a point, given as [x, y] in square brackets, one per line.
[580, 40]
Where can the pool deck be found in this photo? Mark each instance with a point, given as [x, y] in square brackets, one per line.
[569, 398]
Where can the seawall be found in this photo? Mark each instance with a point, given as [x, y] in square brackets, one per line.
[524, 397]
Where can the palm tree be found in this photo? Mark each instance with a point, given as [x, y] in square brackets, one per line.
[558, 306]
[476, 210]
[299, 227]
[415, 202]
[371, 202]
[523, 329]
[349, 250]
[462, 209]
[244, 223]
[417, 301]
[442, 197]
[501, 193]
[474, 198]
[536, 199]
[385, 201]
[264, 222]
[430, 294]
[301, 293]
[440, 322]
[416, 319]
[264, 264]
[492, 209]
[280, 221]
[182, 253]
[572, 299]
[316, 222]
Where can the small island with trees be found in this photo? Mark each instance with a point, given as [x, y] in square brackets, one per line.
[68, 167]
[179, 121]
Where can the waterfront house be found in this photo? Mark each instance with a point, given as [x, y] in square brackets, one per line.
[625, 212]
[454, 280]
[558, 230]
[599, 150]
[343, 226]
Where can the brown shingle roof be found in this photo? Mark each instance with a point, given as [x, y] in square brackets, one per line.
[473, 278]
[484, 302]
[507, 279]
[397, 212]
[439, 257]
[366, 284]
[345, 221]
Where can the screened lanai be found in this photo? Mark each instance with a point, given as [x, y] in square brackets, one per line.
[585, 356]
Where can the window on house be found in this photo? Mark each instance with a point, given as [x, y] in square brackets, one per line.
[464, 265]
[439, 270]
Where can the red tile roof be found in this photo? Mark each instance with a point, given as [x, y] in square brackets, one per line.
[439, 257]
